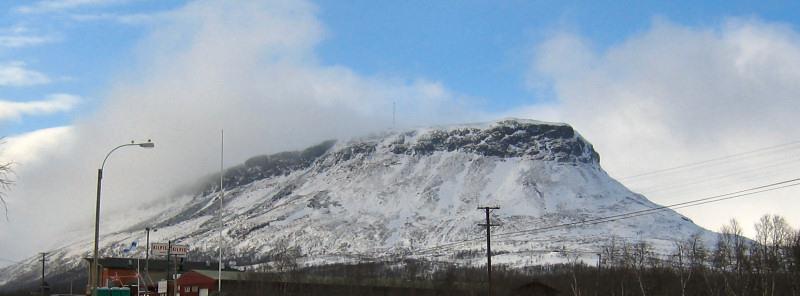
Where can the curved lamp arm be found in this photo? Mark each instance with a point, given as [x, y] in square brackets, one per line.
[148, 144]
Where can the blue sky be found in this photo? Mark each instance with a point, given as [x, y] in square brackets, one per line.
[651, 84]
[476, 48]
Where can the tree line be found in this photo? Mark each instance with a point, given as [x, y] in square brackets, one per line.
[731, 265]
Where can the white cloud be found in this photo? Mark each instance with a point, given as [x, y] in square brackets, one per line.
[247, 67]
[16, 74]
[54, 103]
[128, 19]
[19, 35]
[47, 6]
[675, 94]
[30, 148]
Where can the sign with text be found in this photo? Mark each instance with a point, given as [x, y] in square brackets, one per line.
[162, 249]
[179, 250]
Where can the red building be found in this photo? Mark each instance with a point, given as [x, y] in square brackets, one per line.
[200, 282]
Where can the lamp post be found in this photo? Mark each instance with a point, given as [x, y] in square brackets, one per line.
[95, 275]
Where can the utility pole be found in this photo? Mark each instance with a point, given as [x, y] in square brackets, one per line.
[488, 226]
[147, 251]
[44, 259]
[169, 254]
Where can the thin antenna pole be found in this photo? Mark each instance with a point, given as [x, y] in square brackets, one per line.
[221, 196]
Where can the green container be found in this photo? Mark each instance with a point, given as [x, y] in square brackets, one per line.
[103, 292]
[120, 292]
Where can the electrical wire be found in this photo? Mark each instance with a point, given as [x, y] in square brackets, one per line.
[696, 202]
[714, 161]
[708, 178]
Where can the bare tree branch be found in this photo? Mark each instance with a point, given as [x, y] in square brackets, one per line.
[5, 183]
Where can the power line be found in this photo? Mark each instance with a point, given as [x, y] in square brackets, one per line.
[700, 177]
[710, 178]
[696, 202]
[779, 147]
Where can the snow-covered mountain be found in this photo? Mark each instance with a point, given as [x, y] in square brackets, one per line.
[402, 193]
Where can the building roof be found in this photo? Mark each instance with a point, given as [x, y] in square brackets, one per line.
[155, 264]
[226, 275]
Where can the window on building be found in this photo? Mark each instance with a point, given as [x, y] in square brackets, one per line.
[187, 289]
[195, 288]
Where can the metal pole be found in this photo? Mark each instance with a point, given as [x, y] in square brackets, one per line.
[95, 275]
[147, 250]
[169, 254]
[175, 281]
[489, 251]
[221, 197]
[43, 260]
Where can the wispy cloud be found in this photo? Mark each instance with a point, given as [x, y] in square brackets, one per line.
[128, 19]
[48, 6]
[17, 74]
[16, 41]
[10, 110]
[22, 36]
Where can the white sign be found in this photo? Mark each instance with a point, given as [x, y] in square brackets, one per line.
[162, 287]
[160, 249]
[179, 250]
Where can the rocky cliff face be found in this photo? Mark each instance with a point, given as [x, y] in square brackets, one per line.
[401, 193]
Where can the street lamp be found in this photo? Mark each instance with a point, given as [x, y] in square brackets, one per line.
[95, 276]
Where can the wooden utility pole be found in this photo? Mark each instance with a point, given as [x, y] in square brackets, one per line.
[488, 226]
[44, 259]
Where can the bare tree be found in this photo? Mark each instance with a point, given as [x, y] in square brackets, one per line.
[640, 254]
[730, 257]
[773, 234]
[795, 263]
[5, 183]
[688, 259]
[285, 256]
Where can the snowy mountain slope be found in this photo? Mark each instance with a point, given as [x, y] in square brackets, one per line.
[401, 193]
